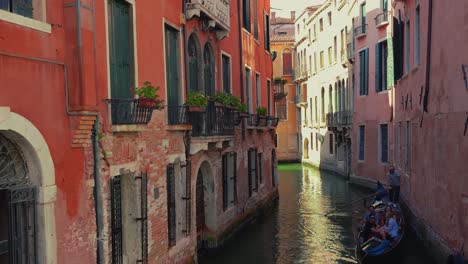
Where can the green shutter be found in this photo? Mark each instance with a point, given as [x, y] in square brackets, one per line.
[120, 49]
[23, 8]
[172, 69]
[378, 86]
[366, 72]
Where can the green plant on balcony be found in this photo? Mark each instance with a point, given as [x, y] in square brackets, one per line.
[196, 101]
[225, 99]
[262, 111]
[148, 96]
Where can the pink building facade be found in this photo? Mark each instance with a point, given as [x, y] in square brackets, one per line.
[411, 91]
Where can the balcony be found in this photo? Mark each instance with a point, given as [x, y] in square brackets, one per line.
[360, 31]
[215, 121]
[340, 119]
[273, 122]
[130, 112]
[381, 19]
[177, 115]
[215, 14]
[279, 92]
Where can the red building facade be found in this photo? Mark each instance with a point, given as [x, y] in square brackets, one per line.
[108, 178]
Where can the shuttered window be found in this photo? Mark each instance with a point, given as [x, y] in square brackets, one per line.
[116, 220]
[267, 32]
[255, 15]
[260, 167]
[229, 166]
[171, 205]
[364, 72]
[381, 54]
[361, 140]
[20, 7]
[226, 74]
[287, 62]
[253, 172]
[246, 14]
[384, 143]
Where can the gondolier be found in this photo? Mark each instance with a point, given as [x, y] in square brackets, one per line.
[394, 181]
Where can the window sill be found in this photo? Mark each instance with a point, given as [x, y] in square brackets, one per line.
[129, 128]
[25, 21]
[383, 91]
[178, 127]
[382, 25]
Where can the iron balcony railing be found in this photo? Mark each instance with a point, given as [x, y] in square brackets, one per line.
[381, 19]
[177, 115]
[360, 31]
[273, 122]
[129, 112]
[338, 119]
[214, 121]
[253, 120]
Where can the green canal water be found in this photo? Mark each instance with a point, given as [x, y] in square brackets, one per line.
[297, 230]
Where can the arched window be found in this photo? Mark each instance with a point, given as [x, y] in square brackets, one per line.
[330, 99]
[323, 105]
[194, 64]
[343, 96]
[209, 68]
[335, 91]
[17, 206]
[287, 62]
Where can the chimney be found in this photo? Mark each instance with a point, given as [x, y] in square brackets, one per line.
[273, 15]
[293, 15]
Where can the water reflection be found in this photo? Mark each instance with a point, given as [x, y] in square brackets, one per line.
[297, 230]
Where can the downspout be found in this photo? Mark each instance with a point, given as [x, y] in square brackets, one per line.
[428, 58]
[241, 58]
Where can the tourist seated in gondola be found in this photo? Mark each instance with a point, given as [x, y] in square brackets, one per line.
[368, 229]
[370, 213]
[388, 213]
[390, 231]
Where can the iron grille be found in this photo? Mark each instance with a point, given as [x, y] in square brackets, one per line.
[171, 207]
[253, 120]
[144, 218]
[381, 18]
[129, 112]
[235, 176]
[360, 30]
[177, 114]
[273, 121]
[225, 181]
[262, 121]
[23, 224]
[13, 168]
[116, 220]
[188, 194]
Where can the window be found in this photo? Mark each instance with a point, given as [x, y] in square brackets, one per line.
[330, 58]
[306, 148]
[321, 24]
[384, 6]
[330, 18]
[260, 167]
[363, 16]
[226, 73]
[209, 69]
[171, 205]
[316, 110]
[269, 96]
[282, 33]
[322, 60]
[317, 141]
[267, 32]
[282, 109]
[383, 138]
[408, 47]
[399, 144]
[27, 8]
[258, 87]
[246, 14]
[312, 141]
[173, 71]
[274, 168]
[255, 15]
[315, 31]
[331, 144]
[361, 142]
[194, 64]
[335, 48]
[381, 54]
[253, 172]
[342, 42]
[310, 64]
[298, 29]
[229, 180]
[311, 113]
[315, 62]
[417, 36]
[323, 105]
[364, 72]
[310, 39]
[248, 87]
[408, 148]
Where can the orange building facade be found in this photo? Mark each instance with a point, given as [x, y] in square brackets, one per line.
[112, 179]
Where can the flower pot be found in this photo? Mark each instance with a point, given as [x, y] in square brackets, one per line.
[147, 103]
[193, 108]
[244, 114]
[218, 104]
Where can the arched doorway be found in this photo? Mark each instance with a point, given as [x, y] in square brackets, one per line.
[194, 62]
[17, 206]
[205, 203]
[209, 68]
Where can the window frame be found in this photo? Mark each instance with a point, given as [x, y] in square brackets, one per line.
[226, 55]
[361, 143]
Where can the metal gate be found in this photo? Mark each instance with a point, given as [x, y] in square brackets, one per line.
[116, 220]
[144, 218]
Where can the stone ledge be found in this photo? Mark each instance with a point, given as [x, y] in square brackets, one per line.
[178, 127]
[129, 128]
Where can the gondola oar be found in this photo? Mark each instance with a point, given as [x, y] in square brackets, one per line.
[353, 202]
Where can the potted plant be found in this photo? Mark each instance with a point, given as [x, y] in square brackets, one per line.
[148, 96]
[196, 101]
[262, 116]
[220, 98]
[261, 111]
[242, 109]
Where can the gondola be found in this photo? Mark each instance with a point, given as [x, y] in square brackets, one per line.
[375, 250]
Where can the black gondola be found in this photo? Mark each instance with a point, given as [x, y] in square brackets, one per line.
[374, 250]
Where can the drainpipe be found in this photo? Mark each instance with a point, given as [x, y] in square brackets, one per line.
[241, 72]
[428, 58]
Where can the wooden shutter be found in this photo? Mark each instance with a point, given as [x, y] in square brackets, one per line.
[171, 204]
[267, 32]
[226, 74]
[366, 72]
[362, 138]
[249, 174]
[260, 167]
[144, 219]
[255, 15]
[287, 63]
[378, 86]
[225, 182]
[384, 139]
[256, 173]
[172, 68]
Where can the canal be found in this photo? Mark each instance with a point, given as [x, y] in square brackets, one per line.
[297, 230]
